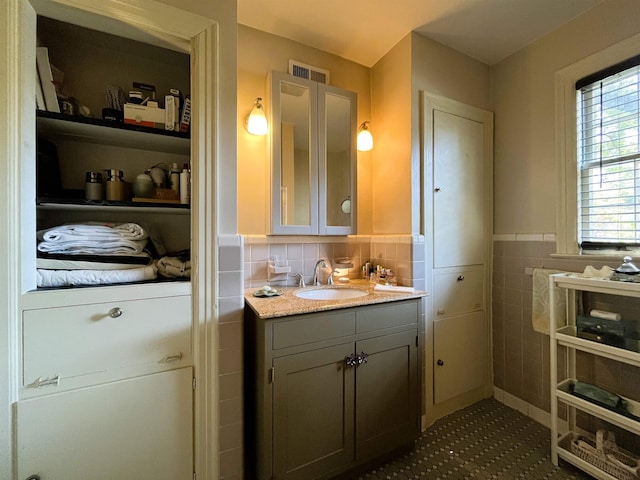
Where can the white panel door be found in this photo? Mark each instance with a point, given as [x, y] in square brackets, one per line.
[460, 355]
[139, 428]
[459, 191]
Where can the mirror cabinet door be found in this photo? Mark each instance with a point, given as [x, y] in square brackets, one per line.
[337, 160]
[313, 148]
[295, 162]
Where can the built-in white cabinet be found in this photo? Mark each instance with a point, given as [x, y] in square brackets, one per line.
[458, 139]
[106, 379]
[136, 428]
[571, 409]
[313, 157]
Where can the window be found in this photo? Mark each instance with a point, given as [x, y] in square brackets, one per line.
[608, 157]
[586, 149]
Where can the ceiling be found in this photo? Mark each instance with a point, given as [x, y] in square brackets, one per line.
[364, 31]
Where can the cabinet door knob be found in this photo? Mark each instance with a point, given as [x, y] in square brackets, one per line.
[460, 278]
[115, 312]
[362, 358]
[351, 360]
[437, 189]
[33, 477]
[440, 363]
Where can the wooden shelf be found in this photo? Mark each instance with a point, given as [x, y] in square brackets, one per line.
[111, 206]
[104, 132]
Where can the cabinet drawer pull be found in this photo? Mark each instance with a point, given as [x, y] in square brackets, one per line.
[440, 311]
[173, 358]
[440, 362]
[115, 312]
[460, 278]
[44, 382]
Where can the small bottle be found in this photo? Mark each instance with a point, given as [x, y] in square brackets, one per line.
[174, 178]
[185, 185]
[94, 188]
[116, 188]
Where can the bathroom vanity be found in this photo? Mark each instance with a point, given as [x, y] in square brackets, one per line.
[331, 385]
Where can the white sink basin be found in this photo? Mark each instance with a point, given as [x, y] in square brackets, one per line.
[331, 293]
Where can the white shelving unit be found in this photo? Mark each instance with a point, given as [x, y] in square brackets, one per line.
[567, 335]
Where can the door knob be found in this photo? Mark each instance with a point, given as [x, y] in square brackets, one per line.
[437, 189]
[460, 278]
[440, 363]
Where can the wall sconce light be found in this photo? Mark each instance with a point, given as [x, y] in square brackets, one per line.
[257, 120]
[365, 140]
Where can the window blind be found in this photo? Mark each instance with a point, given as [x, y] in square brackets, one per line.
[609, 158]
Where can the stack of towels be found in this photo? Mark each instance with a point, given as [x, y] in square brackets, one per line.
[106, 253]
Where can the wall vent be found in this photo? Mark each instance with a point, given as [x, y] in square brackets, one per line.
[309, 72]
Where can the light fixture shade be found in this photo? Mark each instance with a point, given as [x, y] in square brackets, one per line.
[365, 139]
[257, 120]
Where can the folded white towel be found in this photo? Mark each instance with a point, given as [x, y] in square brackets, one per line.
[65, 278]
[94, 247]
[93, 231]
[393, 288]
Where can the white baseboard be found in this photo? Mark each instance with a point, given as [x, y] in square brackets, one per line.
[531, 411]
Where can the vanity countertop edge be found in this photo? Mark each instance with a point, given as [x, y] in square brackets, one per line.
[287, 303]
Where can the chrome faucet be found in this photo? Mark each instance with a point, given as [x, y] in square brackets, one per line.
[330, 279]
[319, 263]
[300, 278]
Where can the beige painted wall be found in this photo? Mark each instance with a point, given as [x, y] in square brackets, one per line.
[415, 64]
[258, 54]
[523, 99]
[391, 128]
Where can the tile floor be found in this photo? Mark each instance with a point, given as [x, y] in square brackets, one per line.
[487, 440]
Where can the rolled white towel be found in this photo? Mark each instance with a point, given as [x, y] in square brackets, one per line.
[173, 267]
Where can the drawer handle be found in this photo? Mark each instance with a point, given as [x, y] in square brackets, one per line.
[115, 312]
[173, 358]
[460, 278]
[441, 311]
[44, 382]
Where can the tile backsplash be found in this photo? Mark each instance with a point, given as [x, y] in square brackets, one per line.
[402, 253]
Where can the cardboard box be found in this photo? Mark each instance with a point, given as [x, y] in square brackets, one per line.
[144, 115]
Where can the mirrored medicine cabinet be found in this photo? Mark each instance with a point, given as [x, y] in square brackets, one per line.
[313, 157]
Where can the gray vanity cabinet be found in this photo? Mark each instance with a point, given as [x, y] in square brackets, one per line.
[326, 392]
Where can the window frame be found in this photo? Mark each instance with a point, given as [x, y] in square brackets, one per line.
[567, 137]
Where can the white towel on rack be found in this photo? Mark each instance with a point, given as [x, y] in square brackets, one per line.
[542, 303]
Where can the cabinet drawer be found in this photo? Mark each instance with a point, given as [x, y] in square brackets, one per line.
[313, 328]
[395, 314]
[82, 340]
[458, 292]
